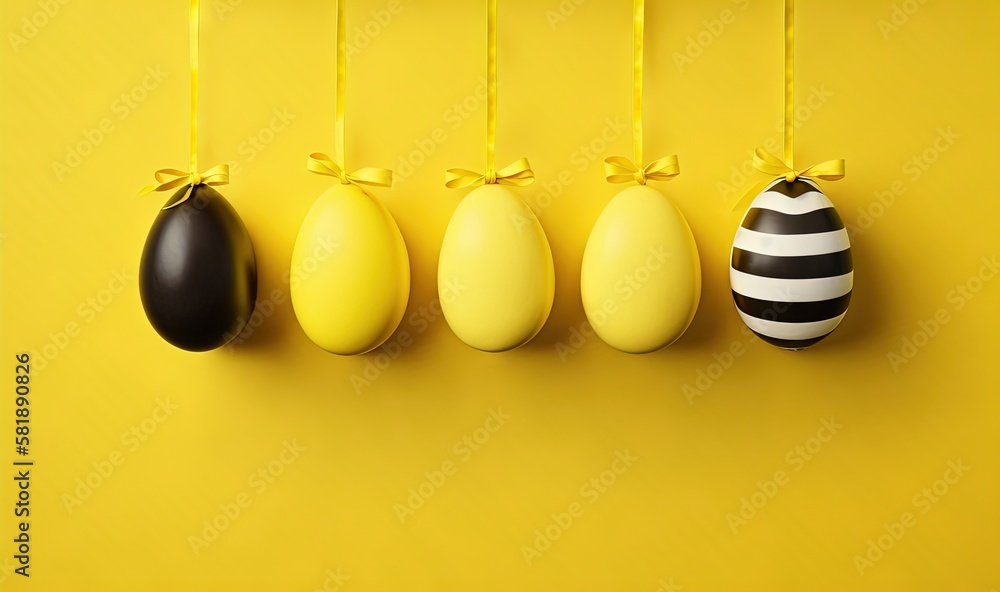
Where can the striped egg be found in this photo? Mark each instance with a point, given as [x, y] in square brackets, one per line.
[791, 270]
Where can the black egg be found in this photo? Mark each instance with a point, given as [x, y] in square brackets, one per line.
[198, 274]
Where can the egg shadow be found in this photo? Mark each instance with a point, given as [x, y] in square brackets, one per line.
[272, 323]
[867, 313]
[567, 305]
[715, 304]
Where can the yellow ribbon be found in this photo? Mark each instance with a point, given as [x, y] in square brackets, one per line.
[491, 84]
[517, 173]
[217, 175]
[320, 163]
[619, 169]
[764, 161]
[829, 170]
[622, 170]
[789, 123]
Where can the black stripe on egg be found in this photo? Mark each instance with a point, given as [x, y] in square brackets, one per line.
[793, 312]
[793, 268]
[791, 343]
[774, 222]
[783, 209]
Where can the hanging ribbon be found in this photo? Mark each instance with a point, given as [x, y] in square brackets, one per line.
[767, 163]
[619, 169]
[517, 173]
[320, 163]
[789, 124]
[217, 175]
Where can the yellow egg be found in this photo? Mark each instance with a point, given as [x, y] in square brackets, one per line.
[495, 275]
[641, 277]
[350, 274]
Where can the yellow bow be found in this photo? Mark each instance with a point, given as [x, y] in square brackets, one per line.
[321, 164]
[217, 175]
[622, 170]
[517, 173]
[765, 162]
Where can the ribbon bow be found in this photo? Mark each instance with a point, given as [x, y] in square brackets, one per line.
[321, 164]
[217, 175]
[517, 173]
[765, 162]
[622, 170]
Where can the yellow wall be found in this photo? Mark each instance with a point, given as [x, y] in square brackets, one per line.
[912, 106]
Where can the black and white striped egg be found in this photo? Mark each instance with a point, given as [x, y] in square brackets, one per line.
[791, 271]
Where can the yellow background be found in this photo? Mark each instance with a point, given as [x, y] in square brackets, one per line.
[886, 93]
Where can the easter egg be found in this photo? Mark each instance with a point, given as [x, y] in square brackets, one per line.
[641, 276]
[350, 273]
[791, 271]
[198, 273]
[496, 280]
